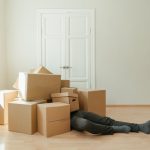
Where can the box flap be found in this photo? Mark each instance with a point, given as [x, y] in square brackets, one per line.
[15, 85]
[41, 70]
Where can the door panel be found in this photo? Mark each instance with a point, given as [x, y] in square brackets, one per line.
[78, 49]
[54, 51]
[78, 25]
[53, 33]
[79, 84]
[54, 24]
[78, 59]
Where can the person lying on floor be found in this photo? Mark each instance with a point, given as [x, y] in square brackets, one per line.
[95, 124]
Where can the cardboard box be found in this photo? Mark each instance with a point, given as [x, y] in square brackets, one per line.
[93, 101]
[70, 90]
[53, 118]
[68, 98]
[65, 83]
[39, 70]
[38, 86]
[22, 116]
[6, 96]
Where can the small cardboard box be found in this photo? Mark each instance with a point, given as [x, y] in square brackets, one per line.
[22, 116]
[53, 118]
[65, 83]
[68, 98]
[93, 101]
[69, 90]
[6, 96]
[38, 86]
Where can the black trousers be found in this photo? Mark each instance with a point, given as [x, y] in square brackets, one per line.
[95, 124]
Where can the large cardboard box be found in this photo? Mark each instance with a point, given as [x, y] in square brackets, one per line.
[38, 70]
[65, 83]
[22, 116]
[69, 98]
[69, 90]
[38, 86]
[93, 101]
[6, 96]
[53, 118]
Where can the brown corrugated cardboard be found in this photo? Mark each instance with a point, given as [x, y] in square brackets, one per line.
[38, 86]
[93, 101]
[6, 96]
[65, 83]
[69, 98]
[58, 127]
[70, 90]
[41, 70]
[22, 116]
[53, 118]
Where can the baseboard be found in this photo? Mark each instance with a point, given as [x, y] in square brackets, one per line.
[128, 105]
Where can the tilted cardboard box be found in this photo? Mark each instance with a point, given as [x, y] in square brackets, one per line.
[6, 96]
[22, 116]
[53, 118]
[65, 83]
[69, 98]
[69, 90]
[38, 86]
[93, 101]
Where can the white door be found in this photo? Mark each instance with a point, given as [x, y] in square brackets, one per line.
[66, 44]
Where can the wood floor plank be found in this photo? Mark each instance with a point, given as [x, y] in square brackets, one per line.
[79, 141]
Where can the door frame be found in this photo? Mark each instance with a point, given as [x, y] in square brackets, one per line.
[40, 52]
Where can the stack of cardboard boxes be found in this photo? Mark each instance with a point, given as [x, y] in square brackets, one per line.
[31, 112]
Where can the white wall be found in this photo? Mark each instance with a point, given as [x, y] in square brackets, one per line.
[2, 47]
[122, 44]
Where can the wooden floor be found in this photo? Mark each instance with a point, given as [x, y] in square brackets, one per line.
[78, 141]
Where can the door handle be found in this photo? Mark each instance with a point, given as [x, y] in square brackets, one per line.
[68, 67]
[63, 67]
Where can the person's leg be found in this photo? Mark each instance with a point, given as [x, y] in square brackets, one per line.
[82, 124]
[107, 120]
[145, 127]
